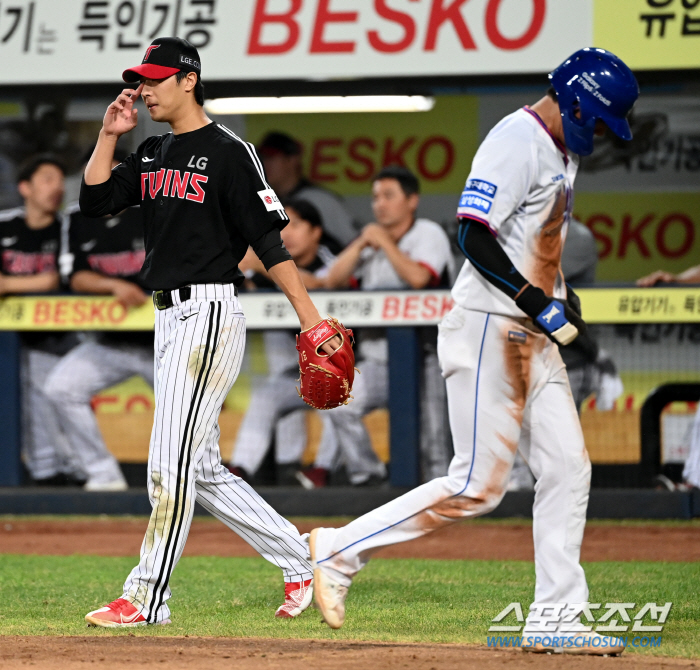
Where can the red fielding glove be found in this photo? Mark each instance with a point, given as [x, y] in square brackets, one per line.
[326, 381]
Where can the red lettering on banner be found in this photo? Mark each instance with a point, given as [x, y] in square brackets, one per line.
[42, 312]
[180, 183]
[117, 312]
[410, 307]
[633, 234]
[395, 156]
[391, 308]
[60, 309]
[688, 239]
[416, 307]
[440, 14]
[98, 400]
[286, 19]
[155, 182]
[366, 161]
[319, 158]
[404, 20]
[324, 16]
[496, 37]
[430, 307]
[195, 180]
[605, 241]
[136, 400]
[79, 308]
[448, 161]
[447, 305]
[97, 312]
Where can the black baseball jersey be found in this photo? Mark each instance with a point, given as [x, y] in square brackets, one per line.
[111, 246]
[26, 251]
[31, 252]
[204, 200]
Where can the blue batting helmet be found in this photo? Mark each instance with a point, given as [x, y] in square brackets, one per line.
[600, 86]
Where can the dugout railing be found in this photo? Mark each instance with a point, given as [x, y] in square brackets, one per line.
[654, 333]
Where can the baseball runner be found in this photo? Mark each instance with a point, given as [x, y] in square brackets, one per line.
[102, 256]
[506, 384]
[204, 199]
[29, 244]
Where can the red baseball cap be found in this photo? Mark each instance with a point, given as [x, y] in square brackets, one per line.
[164, 57]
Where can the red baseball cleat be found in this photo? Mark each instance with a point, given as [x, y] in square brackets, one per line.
[297, 597]
[118, 614]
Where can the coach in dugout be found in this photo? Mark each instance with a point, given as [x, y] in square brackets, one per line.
[29, 243]
[398, 251]
[104, 257]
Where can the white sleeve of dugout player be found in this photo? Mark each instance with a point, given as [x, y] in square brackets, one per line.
[430, 247]
[506, 159]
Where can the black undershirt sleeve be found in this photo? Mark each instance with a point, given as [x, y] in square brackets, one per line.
[270, 249]
[483, 251]
[121, 190]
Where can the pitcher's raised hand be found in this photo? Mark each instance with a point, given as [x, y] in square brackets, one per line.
[121, 115]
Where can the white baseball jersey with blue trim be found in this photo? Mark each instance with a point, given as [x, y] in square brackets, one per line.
[521, 187]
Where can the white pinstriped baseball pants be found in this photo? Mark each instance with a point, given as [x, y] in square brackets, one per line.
[507, 390]
[198, 350]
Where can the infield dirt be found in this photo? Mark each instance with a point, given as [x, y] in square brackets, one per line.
[476, 541]
[70, 653]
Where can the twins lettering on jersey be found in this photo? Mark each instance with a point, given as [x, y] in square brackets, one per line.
[122, 264]
[173, 184]
[25, 263]
[477, 194]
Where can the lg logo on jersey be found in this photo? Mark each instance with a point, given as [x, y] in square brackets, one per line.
[201, 163]
[174, 184]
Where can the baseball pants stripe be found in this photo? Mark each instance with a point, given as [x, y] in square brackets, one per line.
[507, 390]
[199, 347]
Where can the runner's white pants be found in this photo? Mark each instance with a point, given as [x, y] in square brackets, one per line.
[507, 389]
[198, 350]
[86, 370]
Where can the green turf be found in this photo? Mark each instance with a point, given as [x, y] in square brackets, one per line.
[391, 600]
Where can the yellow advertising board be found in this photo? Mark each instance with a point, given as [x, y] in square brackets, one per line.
[649, 34]
[638, 233]
[344, 151]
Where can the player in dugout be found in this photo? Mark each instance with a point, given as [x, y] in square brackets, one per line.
[104, 257]
[691, 469]
[29, 241]
[282, 159]
[275, 406]
[398, 251]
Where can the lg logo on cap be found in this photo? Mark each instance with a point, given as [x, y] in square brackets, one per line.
[148, 51]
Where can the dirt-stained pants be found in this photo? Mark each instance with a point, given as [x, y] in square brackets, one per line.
[507, 389]
[198, 350]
